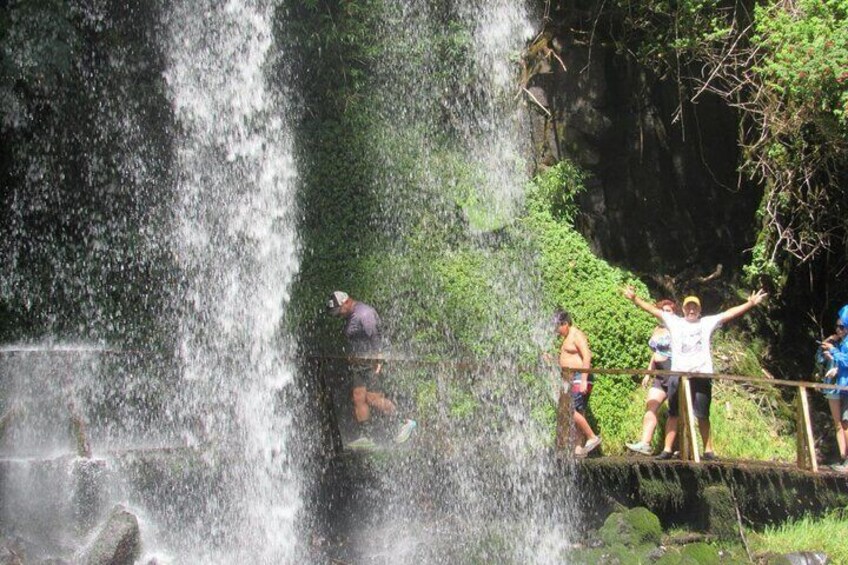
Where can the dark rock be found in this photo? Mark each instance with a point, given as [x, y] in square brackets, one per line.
[655, 554]
[799, 558]
[118, 543]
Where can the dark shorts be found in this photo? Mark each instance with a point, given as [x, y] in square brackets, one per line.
[364, 376]
[669, 385]
[580, 400]
[702, 397]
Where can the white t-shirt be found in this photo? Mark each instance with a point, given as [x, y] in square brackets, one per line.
[690, 342]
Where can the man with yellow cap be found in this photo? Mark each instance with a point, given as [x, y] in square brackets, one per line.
[690, 353]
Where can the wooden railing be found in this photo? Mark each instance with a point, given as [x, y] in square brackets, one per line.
[687, 424]
[805, 447]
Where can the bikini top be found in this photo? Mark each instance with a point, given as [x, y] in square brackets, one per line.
[661, 344]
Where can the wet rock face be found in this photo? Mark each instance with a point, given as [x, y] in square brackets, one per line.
[118, 543]
[663, 192]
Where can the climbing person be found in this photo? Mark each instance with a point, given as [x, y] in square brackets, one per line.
[661, 387]
[575, 360]
[690, 353]
[835, 351]
[362, 331]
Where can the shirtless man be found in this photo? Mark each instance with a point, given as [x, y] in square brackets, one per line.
[574, 354]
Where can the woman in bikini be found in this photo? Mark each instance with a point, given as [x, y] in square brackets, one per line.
[662, 387]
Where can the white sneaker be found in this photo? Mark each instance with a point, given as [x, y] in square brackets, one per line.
[591, 444]
[362, 444]
[640, 447]
[405, 431]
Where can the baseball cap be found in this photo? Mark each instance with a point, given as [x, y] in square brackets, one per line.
[693, 299]
[337, 298]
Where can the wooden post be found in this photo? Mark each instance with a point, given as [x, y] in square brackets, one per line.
[78, 428]
[564, 423]
[332, 433]
[688, 439]
[806, 448]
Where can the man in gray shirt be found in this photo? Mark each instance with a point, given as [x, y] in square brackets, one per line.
[362, 331]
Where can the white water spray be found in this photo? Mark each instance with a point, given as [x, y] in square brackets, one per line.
[236, 245]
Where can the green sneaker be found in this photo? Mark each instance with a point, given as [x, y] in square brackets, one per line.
[841, 467]
[405, 431]
[362, 444]
[640, 447]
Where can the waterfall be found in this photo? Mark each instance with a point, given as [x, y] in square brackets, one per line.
[237, 249]
[150, 248]
[448, 146]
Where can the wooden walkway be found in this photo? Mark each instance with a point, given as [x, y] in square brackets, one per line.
[687, 427]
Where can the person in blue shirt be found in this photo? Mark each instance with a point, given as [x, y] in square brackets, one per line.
[837, 352]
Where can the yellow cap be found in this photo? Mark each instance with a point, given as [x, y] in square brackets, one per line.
[693, 299]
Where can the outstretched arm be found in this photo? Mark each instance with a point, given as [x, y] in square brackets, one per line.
[754, 299]
[630, 294]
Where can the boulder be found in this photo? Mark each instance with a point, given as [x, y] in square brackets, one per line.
[799, 558]
[117, 543]
[633, 527]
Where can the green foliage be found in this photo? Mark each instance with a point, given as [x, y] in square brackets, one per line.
[748, 422]
[554, 191]
[661, 33]
[807, 58]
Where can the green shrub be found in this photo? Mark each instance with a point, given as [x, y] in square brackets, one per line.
[573, 277]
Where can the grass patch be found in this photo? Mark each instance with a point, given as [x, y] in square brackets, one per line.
[827, 534]
[743, 429]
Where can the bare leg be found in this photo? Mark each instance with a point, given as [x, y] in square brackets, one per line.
[379, 401]
[670, 433]
[656, 397]
[582, 427]
[360, 404]
[837, 421]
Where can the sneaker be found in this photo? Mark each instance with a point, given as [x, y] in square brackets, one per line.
[664, 456]
[362, 444]
[405, 431]
[640, 447]
[579, 452]
[709, 456]
[591, 444]
[841, 467]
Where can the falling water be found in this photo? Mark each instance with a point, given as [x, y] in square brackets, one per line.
[167, 235]
[237, 249]
[453, 76]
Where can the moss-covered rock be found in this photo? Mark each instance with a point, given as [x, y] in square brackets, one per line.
[635, 527]
[720, 512]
